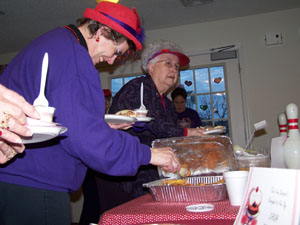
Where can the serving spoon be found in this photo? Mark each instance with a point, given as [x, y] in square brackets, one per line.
[257, 126]
[41, 100]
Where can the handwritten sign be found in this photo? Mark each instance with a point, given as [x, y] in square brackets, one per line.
[272, 197]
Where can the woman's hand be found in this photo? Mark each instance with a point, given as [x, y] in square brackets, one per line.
[165, 158]
[13, 111]
[123, 126]
[195, 132]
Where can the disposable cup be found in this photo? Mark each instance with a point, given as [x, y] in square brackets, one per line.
[236, 182]
[46, 113]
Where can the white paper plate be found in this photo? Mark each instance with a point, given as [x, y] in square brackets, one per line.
[200, 208]
[33, 123]
[41, 134]
[144, 119]
[118, 119]
[215, 131]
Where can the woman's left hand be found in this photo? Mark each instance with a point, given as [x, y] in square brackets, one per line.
[123, 126]
[195, 132]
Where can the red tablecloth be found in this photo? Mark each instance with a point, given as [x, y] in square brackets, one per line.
[144, 210]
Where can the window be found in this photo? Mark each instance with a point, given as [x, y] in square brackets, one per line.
[117, 83]
[207, 94]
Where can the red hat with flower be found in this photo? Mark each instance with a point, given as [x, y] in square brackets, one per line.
[120, 18]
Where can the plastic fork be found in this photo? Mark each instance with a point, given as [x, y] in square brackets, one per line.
[41, 100]
[142, 107]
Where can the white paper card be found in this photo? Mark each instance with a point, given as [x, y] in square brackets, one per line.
[271, 197]
[277, 152]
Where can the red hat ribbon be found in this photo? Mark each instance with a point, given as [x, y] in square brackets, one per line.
[139, 34]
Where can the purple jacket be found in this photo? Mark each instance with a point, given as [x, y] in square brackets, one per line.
[74, 89]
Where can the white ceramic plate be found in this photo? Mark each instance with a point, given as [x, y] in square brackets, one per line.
[41, 134]
[200, 208]
[118, 119]
[144, 119]
[215, 131]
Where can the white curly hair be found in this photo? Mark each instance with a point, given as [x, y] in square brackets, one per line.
[155, 47]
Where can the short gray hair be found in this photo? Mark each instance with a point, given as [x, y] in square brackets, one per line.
[155, 47]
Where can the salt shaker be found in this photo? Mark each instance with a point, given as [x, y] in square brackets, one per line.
[282, 124]
[292, 145]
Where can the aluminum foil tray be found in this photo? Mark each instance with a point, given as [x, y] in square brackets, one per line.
[207, 193]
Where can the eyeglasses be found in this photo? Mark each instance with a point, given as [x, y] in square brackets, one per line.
[118, 52]
[170, 64]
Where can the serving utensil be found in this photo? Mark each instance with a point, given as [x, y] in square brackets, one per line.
[142, 107]
[41, 100]
[257, 126]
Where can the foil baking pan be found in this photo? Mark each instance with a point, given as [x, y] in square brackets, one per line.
[206, 193]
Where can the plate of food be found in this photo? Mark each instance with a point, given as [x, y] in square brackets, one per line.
[119, 119]
[214, 130]
[127, 112]
[138, 114]
[43, 133]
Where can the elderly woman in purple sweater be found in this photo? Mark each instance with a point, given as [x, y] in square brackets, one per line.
[162, 61]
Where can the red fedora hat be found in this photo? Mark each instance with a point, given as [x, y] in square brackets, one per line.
[120, 18]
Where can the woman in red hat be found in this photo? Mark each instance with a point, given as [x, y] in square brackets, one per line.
[162, 61]
[35, 185]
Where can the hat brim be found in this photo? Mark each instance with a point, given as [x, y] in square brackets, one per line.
[94, 15]
[182, 58]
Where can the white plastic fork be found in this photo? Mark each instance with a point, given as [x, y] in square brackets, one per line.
[41, 100]
[142, 107]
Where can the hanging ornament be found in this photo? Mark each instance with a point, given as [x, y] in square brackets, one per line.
[203, 107]
[188, 83]
[218, 80]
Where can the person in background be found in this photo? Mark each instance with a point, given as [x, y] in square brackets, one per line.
[162, 61]
[186, 117]
[13, 111]
[35, 188]
[107, 95]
